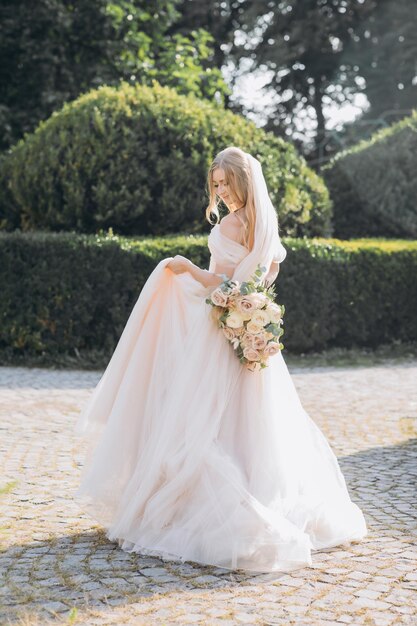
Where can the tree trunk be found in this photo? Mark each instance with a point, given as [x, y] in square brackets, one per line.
[321, 126]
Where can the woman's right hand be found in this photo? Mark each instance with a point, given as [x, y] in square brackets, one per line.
[179, 264]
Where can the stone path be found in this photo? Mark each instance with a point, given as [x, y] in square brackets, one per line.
[57, 567]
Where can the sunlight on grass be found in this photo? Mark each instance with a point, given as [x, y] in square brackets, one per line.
[8, 487]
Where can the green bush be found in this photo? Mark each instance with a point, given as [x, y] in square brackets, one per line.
[373, 185]
[66, 292]
[349, 293]
[135, 159]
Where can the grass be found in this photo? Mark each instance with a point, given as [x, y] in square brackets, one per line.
[381, 243]
[395, 352]
[333, 357]
[8, 488]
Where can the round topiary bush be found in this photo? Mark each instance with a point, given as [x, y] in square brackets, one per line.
[373, 185]
[135, 158]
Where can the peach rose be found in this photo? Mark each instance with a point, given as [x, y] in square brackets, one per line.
[245, 306]
[254, 366]
[228, 333]
[234, 320]
[246, 340]
[251, 354]
[218, 297]
[239, 331]
[259, 341]
[253, 328]
[271, 348]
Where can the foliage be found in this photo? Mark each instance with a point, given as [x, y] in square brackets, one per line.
[68, 292]
[53, 50]
[318, 54]
[135, 159]
[221, 18]
[374, 184]
[301, 47]
[385, 51]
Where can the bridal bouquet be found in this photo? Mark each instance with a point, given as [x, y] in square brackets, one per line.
[250, 319]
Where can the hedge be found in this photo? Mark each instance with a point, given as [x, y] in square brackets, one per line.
[374, 184]
[63, 293]
[135, 158]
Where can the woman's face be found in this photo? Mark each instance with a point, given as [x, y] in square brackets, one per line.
[223, 189]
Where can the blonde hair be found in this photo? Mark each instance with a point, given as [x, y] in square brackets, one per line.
[238, 176]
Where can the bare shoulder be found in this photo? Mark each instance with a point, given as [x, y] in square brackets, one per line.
[231, 227]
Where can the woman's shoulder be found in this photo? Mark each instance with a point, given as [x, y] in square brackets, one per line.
[231, 226]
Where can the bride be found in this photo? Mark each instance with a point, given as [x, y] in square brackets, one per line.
[192, 456]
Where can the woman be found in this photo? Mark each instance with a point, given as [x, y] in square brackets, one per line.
[192, 456]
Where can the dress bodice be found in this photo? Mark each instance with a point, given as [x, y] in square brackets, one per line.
[224, 251]
[229, 253]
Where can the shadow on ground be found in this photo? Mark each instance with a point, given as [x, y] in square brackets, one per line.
[46, 579]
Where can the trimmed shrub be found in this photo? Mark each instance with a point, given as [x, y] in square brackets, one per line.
[135, 158]
[373, 185]
[66, 292]
[349, 293]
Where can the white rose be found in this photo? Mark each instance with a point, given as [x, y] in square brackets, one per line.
[260, 299]
[261, 318]
[275, 312]
[234, 320]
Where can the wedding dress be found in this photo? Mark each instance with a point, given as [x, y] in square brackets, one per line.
[191, 456]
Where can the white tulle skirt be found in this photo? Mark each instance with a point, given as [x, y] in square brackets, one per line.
[192, 457]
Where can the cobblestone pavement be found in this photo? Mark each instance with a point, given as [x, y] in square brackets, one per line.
[58, 567]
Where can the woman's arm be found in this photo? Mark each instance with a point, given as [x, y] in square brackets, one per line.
[272, 274]
[206, 278]
[180, 264]
[209, 279]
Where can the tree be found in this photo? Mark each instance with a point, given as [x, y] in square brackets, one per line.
[147, 49]
[385, 51]
[303, 44]
[53, 50]
[221, 18]
[49, 52]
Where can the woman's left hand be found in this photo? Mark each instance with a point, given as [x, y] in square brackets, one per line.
[179, 264]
